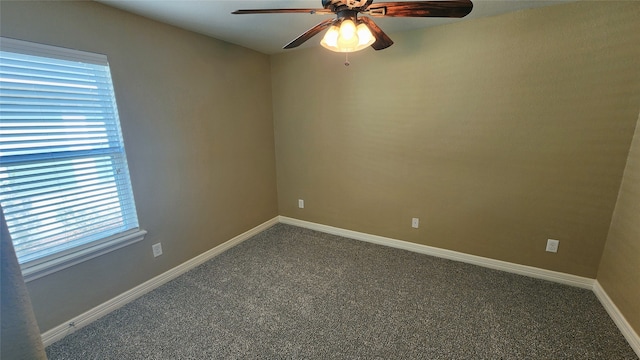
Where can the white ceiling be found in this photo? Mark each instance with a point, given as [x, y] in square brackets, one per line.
[268, 33]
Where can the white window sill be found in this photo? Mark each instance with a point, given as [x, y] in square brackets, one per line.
[42, 267]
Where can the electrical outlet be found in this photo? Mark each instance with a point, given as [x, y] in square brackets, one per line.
[552, 245]
[301, 203]
[415, 223]
[157, 249]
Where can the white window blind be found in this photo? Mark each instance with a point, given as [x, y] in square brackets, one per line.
[64, 181]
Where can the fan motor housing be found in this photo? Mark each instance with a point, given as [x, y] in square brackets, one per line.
[336, 5]
[347, 14]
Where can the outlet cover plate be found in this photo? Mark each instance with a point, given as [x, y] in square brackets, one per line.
[552, 245]
[415, 223]
[157, 249]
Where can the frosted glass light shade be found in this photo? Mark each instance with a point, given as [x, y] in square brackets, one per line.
[330, 39]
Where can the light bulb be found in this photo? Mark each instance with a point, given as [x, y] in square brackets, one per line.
[348, 29]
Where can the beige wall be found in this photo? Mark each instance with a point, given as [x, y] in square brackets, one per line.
[198, 131]
[498, 133]
[619, 272]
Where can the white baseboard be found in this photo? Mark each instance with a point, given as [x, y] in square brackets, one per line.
[60, 331]
[625, 328]
[530, 271]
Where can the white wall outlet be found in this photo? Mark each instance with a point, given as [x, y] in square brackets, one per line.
[157, 249]
[301, 203]
[415, 223]
[552, 245]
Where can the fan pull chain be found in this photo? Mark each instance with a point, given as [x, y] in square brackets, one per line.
[346, 59]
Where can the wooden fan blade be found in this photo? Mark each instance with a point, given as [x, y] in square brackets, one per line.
[382, 40]
[451, 9]
[309, 34]
[283, 11]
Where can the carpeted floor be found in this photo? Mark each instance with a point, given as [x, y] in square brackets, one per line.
[295, 293]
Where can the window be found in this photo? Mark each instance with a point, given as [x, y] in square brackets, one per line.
[64, 182]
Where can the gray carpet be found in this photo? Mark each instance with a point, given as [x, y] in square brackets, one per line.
[295, 293]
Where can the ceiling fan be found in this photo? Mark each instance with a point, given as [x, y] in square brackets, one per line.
[351, 31]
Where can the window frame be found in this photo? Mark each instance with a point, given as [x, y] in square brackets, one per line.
[34, 269]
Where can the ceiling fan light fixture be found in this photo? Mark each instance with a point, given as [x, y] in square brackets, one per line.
[347, 26]
[347, 37]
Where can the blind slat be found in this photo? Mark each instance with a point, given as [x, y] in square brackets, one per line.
[56, 228]
[60, 202]
[54, 218]
[50, 195]
[25, 232]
